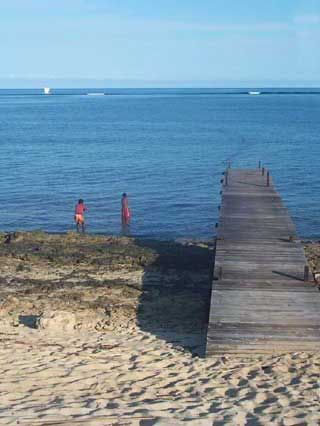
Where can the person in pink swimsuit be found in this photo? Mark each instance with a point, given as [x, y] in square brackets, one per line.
[79, 215]
[125, 212]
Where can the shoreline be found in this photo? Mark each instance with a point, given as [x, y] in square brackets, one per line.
[120, 235]
[180, 240]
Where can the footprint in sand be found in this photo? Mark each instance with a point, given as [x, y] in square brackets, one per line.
[280, 389]
[232, 393]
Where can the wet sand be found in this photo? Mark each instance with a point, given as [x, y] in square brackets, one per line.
[111, 331]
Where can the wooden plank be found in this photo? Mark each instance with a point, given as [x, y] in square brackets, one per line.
[260, 302]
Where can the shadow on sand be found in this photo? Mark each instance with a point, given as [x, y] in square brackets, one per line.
[175, 298]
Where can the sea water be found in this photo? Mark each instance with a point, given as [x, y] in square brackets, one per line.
[165, 148]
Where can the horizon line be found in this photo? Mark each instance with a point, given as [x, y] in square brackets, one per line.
[268, 87]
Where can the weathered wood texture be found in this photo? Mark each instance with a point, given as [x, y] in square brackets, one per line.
[260, 302]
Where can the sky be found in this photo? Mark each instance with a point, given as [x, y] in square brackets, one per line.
[74, 43]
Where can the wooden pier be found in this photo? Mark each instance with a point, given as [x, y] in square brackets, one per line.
[263, 297]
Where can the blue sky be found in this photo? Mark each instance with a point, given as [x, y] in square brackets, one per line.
[169, 42]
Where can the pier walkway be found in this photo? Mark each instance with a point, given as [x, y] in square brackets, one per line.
[263, 297]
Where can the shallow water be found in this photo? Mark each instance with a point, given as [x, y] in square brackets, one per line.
[165, 148]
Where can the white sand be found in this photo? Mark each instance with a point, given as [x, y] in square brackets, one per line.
[55, 378]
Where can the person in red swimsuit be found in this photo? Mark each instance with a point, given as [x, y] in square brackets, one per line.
[125, 212]
[79, 215]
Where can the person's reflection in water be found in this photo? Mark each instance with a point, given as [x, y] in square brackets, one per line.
[125, 215]
[125, 230]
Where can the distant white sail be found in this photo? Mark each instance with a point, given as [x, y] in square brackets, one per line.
[46, 90]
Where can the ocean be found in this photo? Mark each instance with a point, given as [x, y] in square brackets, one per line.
[166, 148]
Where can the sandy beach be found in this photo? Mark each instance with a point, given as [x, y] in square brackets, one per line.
[102, 330]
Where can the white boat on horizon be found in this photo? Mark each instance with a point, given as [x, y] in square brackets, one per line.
[254, 93]
[46, 90]
[95, 94]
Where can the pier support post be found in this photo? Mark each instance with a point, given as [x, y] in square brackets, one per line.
[306, 273]
[214, 259]
[259, 166]
[262, 171]
[268, 178]
[226, 175]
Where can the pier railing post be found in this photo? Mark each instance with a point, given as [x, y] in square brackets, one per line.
[226, 177]
[262, 171]
[259, 166]
[268, 178]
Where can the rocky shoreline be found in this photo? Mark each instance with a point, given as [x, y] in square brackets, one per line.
[76, 281]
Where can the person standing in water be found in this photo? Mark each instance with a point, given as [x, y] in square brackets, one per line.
[125, 212]
[79, 215]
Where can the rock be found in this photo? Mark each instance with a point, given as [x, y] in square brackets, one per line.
[67, 321]
[7, 239]
[23, 267]
[58, 320]
[4, 322]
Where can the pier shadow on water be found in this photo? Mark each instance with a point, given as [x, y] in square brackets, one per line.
[175, 298]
